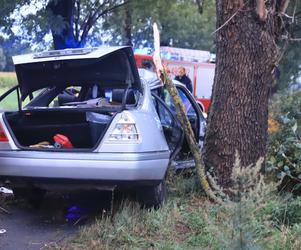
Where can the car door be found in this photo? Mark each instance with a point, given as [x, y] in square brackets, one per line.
[184, 157]
[192, 111]
[171, 128]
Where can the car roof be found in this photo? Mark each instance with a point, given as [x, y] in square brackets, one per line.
[152, 80]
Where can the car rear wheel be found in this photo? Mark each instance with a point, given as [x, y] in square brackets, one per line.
[152, 196]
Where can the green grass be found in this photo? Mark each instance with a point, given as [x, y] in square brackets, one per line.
[7, 81]
[189, 221]
[10, 102]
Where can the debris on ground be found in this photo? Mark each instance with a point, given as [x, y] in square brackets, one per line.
[5, 194]
[6, 191]
[4, 210]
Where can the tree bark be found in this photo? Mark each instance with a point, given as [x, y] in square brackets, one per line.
[246, 56]
[65, 38]
[128, 25]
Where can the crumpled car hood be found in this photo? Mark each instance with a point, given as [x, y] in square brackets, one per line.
[111, 67]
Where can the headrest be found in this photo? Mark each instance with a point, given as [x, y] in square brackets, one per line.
[117, 96]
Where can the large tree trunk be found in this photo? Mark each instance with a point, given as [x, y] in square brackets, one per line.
[246, 55]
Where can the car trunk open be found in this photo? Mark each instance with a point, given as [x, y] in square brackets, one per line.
[84, 129]
[113, 68]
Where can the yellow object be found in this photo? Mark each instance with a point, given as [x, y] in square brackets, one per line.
[273, 126]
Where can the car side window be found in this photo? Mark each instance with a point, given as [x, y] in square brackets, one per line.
[9, 101]
[190, 109]
[186, 102]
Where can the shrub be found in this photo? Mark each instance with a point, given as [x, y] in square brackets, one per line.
[284, 148]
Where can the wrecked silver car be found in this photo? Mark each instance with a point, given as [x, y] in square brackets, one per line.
[83, 120]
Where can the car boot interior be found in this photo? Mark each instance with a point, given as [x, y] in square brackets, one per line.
[82, 128]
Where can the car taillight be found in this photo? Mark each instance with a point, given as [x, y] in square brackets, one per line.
[3, 137]
[124, 131]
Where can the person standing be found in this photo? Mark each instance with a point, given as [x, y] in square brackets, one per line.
[183, 78]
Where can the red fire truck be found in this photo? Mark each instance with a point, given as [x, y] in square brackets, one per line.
[200, 73]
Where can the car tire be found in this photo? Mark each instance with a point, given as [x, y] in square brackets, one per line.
[152, 196]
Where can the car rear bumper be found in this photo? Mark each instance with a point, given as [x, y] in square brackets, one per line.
[98, 167]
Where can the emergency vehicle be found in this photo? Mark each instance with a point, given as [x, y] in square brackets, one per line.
[197, 64]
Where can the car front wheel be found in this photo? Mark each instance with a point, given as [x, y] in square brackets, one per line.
[152, 196]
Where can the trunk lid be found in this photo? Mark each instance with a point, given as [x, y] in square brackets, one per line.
[114, 66]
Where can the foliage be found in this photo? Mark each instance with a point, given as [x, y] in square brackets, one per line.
[33, 20]
[6, 9]
[284, 151]
[70, 22]
[290, 63]
[13, 46]
[288, 212]
[241, 226]
[180, 22]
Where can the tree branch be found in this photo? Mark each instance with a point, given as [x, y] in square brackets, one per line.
[86, 27]
[283, 7]
[106, 11]
[261, 10]
[97, 14]
[200, 4]
[87, 24]
[77, 3]
[295, 39]
[181, 114]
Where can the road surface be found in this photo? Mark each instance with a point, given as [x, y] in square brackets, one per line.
[58, 219]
